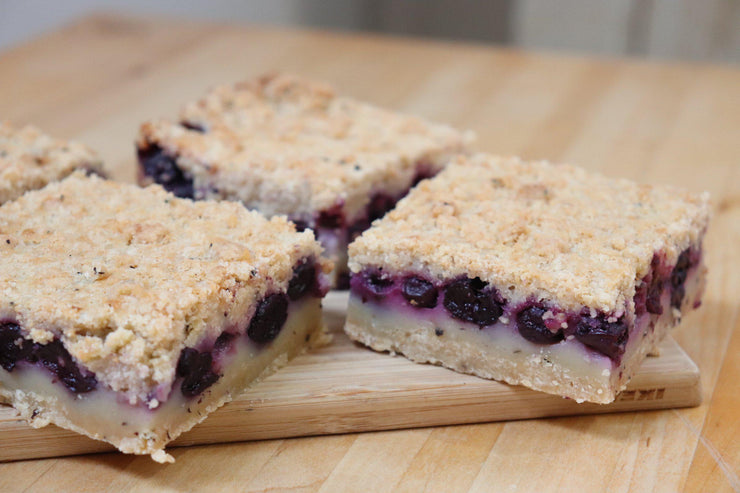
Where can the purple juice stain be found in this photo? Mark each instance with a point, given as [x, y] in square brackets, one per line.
[532, 327]
[269, 318]
[163, 169]
[472, 300]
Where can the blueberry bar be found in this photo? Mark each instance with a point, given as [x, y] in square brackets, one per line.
[284, 145]
[536, 274]
[30, 159]
[128, 315]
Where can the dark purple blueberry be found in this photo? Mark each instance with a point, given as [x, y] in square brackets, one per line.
[343, 280]
[269, 318]
[678, 275]
[195, 368]
[13, 347]
[95, 172]
[532, 327]
[469, 300]
[55, 358]
[419, 292]
[193, 126]
[609, 338]
[300, 225]
[223, 341]
[332, 218]
[677, 296]
[379, 204]
[377, 283]
[303, 281]
[422, 173]
[654, 292]
[163, 169]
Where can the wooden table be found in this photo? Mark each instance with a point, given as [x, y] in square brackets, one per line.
[663, 123]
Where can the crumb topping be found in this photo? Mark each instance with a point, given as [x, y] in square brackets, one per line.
[535, 230]
[286, 145]
[126, 277]
[30, 159]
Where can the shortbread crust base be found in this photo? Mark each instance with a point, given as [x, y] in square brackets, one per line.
[140, 430]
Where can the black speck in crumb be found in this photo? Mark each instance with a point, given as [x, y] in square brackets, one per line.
[123, 423]
[79, 273]
[34, 413]
[7, 241]
[131, 266]
[254, 272]
[308, 336]
[166, 201]
[439, 332]
[517, 351]
[357, 167]
[226, 314]
[210, 245]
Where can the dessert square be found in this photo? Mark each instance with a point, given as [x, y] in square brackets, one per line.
[536, 274]
[284, 145]
[128, 315]
[30, 159]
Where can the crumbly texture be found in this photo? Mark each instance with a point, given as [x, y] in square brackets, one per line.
[42, 402]
[535, 230]
[286, 145]
[126, 277]
[30, 159]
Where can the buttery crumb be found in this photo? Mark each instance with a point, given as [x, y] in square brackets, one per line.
[30, 159]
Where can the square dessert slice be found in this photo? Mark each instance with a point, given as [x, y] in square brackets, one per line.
[30, 159]
[535, 274]
[285, 145]
[128, 315]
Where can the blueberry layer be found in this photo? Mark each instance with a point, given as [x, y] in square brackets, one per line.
[538, 321]
[15, 351]
[200, 368]
[163, 169]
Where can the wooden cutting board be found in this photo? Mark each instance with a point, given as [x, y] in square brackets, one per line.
[345, 388]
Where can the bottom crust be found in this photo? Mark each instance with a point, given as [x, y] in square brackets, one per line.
[136, 430]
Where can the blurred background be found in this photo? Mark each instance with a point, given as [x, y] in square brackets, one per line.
[698, 30]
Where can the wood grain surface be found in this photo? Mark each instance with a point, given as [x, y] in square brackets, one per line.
[657, 123]
[344, 387]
